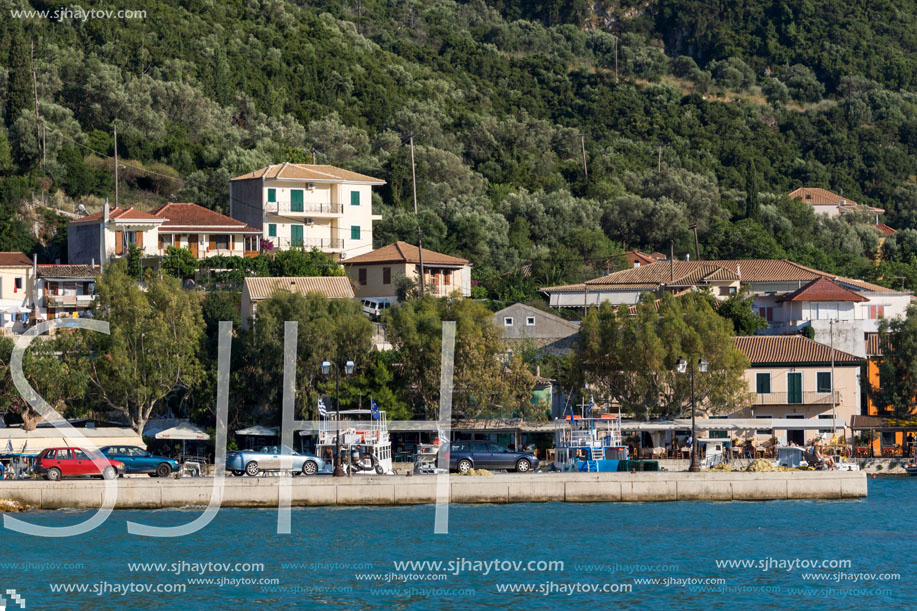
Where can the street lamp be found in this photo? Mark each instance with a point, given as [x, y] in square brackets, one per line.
[348, 370]
[682, 367]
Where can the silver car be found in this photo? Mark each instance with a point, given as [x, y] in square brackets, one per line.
[270, 458]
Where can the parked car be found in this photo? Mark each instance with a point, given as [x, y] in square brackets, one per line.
[375, 307]
[465, 455]
[250, 462]
[55, 463]
[138, 460]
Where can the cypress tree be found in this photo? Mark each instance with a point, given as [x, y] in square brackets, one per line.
[19, 93]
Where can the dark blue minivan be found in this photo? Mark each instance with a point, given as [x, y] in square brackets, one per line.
[465, 455]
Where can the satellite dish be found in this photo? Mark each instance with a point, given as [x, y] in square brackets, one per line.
[82, 210]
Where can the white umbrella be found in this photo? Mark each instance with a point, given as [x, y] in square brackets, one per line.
[183, 432]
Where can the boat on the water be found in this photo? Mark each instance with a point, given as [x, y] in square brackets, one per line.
[592, 445]
[364, 436]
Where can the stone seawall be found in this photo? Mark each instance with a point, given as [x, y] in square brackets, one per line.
[401, 490]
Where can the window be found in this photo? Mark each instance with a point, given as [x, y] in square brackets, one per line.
[888, 438]
[823, 381]
[727, 290]
[529, 321]
[296, 233]
[764, 431]
[825, 417]
[355, 232]
[63, 455]
[272, 230]
[362, 274]
[296, 200]
[221, 241]
[766, 313]
[508, 321]
[763, 383]
[876, 311]
[386, 275]
[354, 198]
[17, 285]
[272, 195]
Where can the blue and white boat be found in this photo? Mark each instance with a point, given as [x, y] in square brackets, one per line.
[589, 445]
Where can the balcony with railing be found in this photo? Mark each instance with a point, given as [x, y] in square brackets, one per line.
[322, 244]
[808, 397]
[304, 209]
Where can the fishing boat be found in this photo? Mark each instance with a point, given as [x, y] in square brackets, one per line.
[364, 435]
[592, 445]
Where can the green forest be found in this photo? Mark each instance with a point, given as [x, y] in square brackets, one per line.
[550, 135]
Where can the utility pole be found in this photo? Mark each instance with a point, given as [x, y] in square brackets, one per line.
[659, 162]
[616, 60]
[693, 227]
[116, 166]
[582, 140]
[416, 218]
[37, 116]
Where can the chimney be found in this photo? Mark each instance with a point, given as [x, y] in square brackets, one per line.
[671, 260]
[687, 256]
[105, 212]
[35, 287]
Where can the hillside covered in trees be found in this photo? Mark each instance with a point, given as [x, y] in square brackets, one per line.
[550, 135]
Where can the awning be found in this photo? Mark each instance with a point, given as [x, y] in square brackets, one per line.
[259, 431]
[183, 432]
[877, 423]
[39, 439]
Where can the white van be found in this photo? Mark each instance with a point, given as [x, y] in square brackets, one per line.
[374, 307]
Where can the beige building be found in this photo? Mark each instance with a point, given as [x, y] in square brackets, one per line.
[791, 379]
[298, 205]
[66, 291]
[16, 285]
[257, 290]
[376, 273]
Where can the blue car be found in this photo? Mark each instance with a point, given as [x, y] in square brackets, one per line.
[466, 455]
[270, 458]
[138, 460]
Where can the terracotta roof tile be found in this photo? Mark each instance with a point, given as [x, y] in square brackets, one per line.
[338, 287]
[885, 229]
[789, 349]
[185, 215]
[14, 259]
[402, 252]
[816, 196]
[74, 271]
[823, 289]
[310, 172]
[119, 214]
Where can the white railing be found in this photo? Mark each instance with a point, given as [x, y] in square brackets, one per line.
[307, 208]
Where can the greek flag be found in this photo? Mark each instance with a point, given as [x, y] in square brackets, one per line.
[322, 411]
[591, 404]
[374, 408]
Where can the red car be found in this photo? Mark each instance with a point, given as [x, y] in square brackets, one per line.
[56, 463]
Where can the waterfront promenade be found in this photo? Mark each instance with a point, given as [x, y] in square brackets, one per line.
[403, 490]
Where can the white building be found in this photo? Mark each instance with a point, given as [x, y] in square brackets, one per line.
[310, 206]
[16, 285]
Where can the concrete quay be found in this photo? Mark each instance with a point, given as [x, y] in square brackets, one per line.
[400, 490]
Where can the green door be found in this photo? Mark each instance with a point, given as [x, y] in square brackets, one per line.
[296, 200]
[295, 235]
[794, 387]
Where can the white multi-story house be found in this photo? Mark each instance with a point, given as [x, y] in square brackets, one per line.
[788, 295]
[16, 285]
[307, 206]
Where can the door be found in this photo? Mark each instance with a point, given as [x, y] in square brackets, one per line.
[501, 457]
[296, 200]
[794, 387]
[82, 464]
[119, 243]
[797, 436]
[296, 235]
[192, 244]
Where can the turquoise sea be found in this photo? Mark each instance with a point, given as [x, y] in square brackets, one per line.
[603, 556]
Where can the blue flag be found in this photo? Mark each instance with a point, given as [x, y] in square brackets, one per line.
[322, 411]
[591, 404]
[374, 408]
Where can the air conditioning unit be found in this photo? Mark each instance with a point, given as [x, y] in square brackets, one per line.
[310, 185]
[310, 221]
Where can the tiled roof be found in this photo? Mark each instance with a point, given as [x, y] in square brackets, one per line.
[402, 252]
[638, 256]
[188, 215]
[789, 349]
[885, 229]
[329, 286]
[315, 173]
[685, 273]
[14, 259]
[816, 196]
[823, 289]
[74, 271]
[120, 214]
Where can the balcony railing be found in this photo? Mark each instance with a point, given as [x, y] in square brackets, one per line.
[306, 209]
[69, 300]
[808, 397]
[323, 244]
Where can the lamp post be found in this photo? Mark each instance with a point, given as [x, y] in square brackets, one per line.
[682, 367]
[348, 370]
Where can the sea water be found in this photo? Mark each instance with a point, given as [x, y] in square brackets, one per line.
[688, 555]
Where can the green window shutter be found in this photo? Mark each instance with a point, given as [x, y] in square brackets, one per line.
[272, 195]
[355, 232]
[763, 383]
[354, 198]
[296, 200]
[272, 230]
[794, 387]
[296, 235]
[823, 381]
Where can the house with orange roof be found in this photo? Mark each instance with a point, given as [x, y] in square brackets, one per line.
[636, 258]
[832, 204]
[376, 273]
[297, 205]
[205, 232]
[110, 233]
